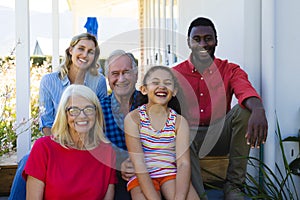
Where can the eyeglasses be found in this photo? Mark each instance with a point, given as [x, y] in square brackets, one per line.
[75, 111]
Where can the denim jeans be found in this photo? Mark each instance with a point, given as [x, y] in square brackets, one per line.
[18, 188]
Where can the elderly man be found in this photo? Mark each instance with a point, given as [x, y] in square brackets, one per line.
[122, 73]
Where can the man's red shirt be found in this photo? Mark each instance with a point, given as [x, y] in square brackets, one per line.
[208, 95]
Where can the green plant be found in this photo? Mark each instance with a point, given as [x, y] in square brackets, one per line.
[271, 185]
[268, 185]
[8, 124]
[7, 134]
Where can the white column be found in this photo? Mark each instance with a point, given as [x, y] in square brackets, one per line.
[22, 77]
[173, 40]
[55, 34]
[268, 78]
[164, 33]
[148, 32]
[252, 56]
[252, 42]
[153, 30]
[158, 31]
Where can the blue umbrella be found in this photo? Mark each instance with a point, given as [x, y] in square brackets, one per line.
[92, 26]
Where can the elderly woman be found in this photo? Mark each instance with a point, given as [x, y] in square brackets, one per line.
[76, 161]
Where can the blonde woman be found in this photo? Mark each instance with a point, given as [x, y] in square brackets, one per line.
[77, 161]
[79, 67]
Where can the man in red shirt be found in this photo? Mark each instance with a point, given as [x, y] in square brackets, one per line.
[208, 84]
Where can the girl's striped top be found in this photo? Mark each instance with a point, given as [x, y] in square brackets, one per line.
[158, 146]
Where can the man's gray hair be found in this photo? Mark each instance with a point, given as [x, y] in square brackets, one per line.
[115, 55]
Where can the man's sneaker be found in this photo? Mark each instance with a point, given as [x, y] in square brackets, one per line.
[232, 192]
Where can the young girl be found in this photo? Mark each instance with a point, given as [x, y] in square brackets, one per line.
[157, 139]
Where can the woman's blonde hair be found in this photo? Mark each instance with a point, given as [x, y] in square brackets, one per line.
[60, 128]
[65, 66]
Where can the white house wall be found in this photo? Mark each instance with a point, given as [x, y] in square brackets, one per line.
[228, 19]
[287, 65]
[287, 41]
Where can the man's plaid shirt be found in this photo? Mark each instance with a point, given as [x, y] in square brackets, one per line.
[114, 120]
